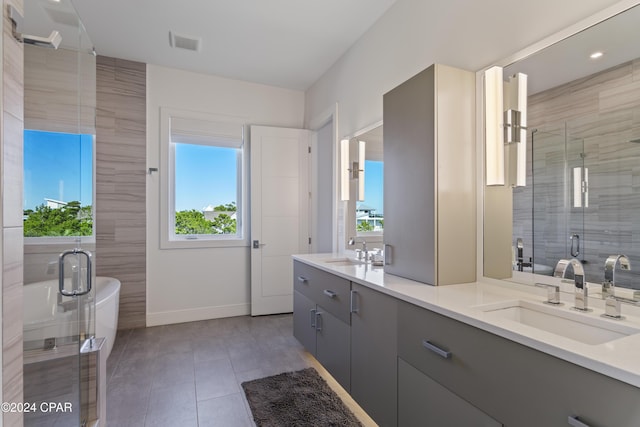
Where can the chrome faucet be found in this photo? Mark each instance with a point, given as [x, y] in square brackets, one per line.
[520, 258]
[363, 254]
[608, 286]
[553, 293]
[580, 287]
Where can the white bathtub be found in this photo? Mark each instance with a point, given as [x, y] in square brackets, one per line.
[45, 318]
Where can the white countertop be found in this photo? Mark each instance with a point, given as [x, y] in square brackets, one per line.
[619, 359]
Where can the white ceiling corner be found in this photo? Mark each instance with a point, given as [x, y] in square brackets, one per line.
[284, 43]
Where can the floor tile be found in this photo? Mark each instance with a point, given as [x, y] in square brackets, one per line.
[215, 379]
[172, 406]
[227, 411]
[190, 374]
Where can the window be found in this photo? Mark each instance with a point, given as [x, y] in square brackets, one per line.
[369, 212]
[205, 183]
[58, 185]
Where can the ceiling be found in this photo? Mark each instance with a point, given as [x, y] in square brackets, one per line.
[284, 43]
[568, 60]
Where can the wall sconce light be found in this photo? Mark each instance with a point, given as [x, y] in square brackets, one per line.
[351, 170]
[505, 127]
[580, 187]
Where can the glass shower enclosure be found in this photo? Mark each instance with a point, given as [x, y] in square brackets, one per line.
[582, 195]
[59, 248]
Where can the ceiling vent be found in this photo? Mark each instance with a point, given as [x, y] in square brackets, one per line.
[182, 41]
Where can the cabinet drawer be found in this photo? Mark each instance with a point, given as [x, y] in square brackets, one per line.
[424, 402]
[326, 289]
[515, 384]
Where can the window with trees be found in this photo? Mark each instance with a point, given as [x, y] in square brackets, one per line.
[205, 182]
[369, 212]
[58, 185]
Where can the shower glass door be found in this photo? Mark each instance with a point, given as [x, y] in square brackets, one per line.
[59, 251]
[548, 194]
[560, 194]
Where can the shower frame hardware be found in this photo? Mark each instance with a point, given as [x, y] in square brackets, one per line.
[17, 21]
[575, 249]
[74, 292]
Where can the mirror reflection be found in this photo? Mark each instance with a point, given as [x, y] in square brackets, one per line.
[366, 214]
[582, 198]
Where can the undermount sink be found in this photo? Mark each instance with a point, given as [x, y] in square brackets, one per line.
[583, 327]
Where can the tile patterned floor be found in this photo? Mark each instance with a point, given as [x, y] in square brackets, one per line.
[189, 374]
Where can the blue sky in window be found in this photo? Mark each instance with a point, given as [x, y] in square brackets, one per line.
[205, 175]
[373, 184]
[57, 166]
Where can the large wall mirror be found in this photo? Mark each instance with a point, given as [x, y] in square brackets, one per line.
[365, 214]
[582, 195]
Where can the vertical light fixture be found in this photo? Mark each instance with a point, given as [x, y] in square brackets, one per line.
[344, 170]
[361, 159]
[352, 149]
[577, 187]
[580, 187]
[585, 187]
[494, 138]
[516, 126]
[505, 124]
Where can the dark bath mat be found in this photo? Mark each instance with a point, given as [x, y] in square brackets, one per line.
[300, 398]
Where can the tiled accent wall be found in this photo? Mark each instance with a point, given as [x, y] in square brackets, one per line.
[599, 116]
[12, 119]
[121, 181]
[60, 90]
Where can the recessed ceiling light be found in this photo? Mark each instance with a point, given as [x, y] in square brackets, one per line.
[596, 55]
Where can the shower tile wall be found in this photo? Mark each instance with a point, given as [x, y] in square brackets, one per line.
[602, 115]
[121, 183]
[11, 108]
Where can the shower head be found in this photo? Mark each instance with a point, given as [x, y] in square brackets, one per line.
[52, 41]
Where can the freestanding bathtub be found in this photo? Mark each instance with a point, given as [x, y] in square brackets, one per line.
[45, 317]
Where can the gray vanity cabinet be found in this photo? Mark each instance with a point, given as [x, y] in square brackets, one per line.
[374, 354]
[507, 381]
[429, 177]
[321, 320]
[424, 402]
[304, 327]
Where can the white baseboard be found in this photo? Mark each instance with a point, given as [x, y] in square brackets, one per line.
[195, 314]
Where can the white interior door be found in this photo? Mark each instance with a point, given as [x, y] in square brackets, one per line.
[279, 214]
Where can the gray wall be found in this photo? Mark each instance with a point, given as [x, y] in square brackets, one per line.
[325, 188]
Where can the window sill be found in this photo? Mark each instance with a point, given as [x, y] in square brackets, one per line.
[203, 243]
[76, 241]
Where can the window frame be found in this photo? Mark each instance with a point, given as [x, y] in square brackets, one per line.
[70, 240]
[168, 238]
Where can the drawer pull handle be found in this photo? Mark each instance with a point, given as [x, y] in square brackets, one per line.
[312, 316]
[302, 279]
[437, 350]
[329, 293]
[388, 254]
[352, 303]
[575, 422]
